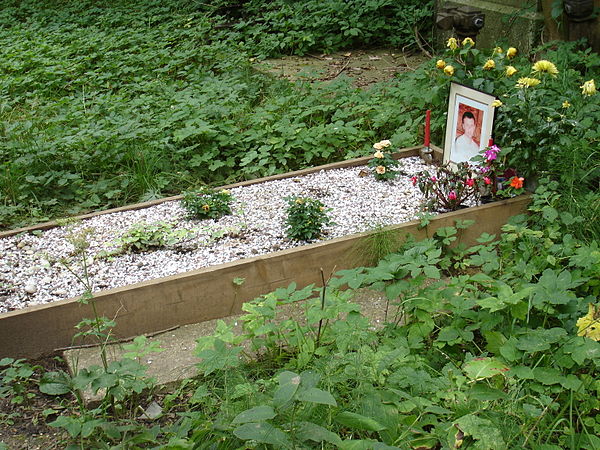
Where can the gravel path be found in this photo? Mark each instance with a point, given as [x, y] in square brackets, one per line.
[42, 267]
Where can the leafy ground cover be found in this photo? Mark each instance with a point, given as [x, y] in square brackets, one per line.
[104, 106]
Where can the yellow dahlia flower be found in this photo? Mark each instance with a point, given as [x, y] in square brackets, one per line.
[489, 64]
[545, 66]
[526, 82]
[589, 325]
[588, 88]
[510, 71]
[511, 52]
[449, 70]
[440, 64]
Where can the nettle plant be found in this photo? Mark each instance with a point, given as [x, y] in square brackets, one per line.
[383, 163]
[207, 203]
[306, 218]
[448, 187]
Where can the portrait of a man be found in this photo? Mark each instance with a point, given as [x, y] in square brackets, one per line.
[468, 131]
[469, 123]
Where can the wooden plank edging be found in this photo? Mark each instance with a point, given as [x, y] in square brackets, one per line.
[209, 293]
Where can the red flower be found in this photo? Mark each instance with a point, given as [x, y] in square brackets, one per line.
[487, 180]
[414, 180]
[470, 182]
[452, 195]
[516, 182]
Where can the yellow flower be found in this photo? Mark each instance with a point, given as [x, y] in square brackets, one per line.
[588, 88]
[452, 43]
[380, 170]
[589, 325]
[526, 82]
[378, 154]
[224, 191]
[496, 103]
[378, 146]
[385, 143]
[498, 50]
[489, 64]
[440, 64]
[205, 207]
[299, 201]
[510, 71]
[469, 41]
[449, 70]
[566, 104]
[511, 52]
[545, 66]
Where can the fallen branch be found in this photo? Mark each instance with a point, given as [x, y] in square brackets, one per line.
[118, 341]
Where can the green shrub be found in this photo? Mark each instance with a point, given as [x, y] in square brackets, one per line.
[306, 218]
[207, 203]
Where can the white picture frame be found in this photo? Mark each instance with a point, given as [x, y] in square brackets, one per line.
[469, 123]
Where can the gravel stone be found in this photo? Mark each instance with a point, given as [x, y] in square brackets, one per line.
[256, 227]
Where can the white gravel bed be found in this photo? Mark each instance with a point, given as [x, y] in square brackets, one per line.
[32, 266]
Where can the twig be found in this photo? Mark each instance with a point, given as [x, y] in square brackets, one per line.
[418, 40]
[339, 71]
[118, 341]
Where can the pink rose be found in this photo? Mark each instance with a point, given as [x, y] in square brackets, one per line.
[470, 182]
[452, 195]
[434, 179]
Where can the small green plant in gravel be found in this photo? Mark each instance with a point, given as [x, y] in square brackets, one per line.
[144, 237]
[207, 203]
[306, 218]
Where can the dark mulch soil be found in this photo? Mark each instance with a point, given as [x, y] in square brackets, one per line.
[24, 426]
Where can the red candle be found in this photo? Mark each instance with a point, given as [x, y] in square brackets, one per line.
[427, 127]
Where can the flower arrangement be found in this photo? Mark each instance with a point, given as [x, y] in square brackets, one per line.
[542, 105]
[207, 203]
[383, 163]
[448, 187]
[306, 218]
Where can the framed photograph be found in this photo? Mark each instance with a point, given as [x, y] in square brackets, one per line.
[469, 123]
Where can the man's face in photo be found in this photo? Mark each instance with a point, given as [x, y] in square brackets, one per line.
[468, 125]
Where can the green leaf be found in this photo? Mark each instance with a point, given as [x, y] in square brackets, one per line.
[55, 383]
[540, 339]
[354, 444]
[359, 422]
[288, 385]
[315, 395]
[256, 414]
[481, 368]
[308, 431]
[488, 436]
[219, 358]
[547, 375]
[264, 433]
